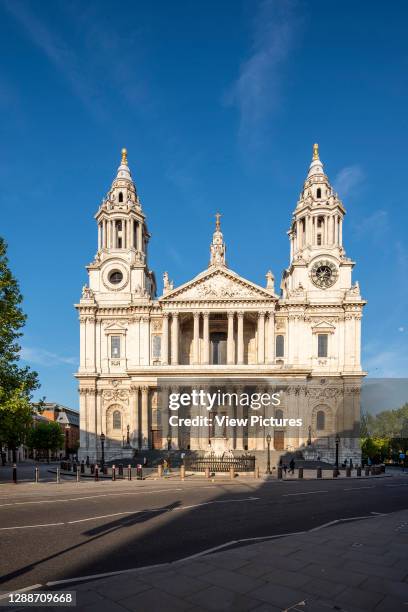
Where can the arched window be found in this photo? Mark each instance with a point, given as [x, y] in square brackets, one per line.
[280, 346]
[120, 196]
[318, 193]
[320, 420]
[117, 420]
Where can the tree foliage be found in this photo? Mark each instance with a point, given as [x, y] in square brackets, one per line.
[385, 435]
[16, 382]
[46, 437]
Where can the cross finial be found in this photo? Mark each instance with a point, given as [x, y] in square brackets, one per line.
[316, 151]
[124, 157]
[217, 221]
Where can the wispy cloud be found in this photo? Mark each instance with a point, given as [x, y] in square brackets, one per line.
[374, 226]
[348, 180]
[392, 363]
[104, 55]
[61, 55]
[45, 358]
[258, 89]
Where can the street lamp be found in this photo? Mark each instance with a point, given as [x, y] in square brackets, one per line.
[268, 465]
[128, 435]
[103, 451]
[168, 442]
[67, 428]
[337, 451]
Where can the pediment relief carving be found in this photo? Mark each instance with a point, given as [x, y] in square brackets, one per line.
[219, 286]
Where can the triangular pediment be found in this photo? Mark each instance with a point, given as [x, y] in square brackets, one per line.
[218, 283]
[323, 326]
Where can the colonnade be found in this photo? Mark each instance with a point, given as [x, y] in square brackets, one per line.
[170, 350]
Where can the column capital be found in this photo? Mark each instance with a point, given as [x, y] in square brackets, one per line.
[175, 314]
[261, 314]
[206, 314]
[196, 314]
[145, 389]
[230, 313]
[165, 315]
[240, 314]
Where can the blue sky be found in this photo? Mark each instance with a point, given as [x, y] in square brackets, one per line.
[218, 103]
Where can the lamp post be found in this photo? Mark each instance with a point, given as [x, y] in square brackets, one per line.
[168, 442]
[67, 428]
[337, 451]
[268, 464]
[103, 451]
[128, 435]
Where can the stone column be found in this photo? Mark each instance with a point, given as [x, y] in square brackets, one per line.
[165, 340]
[174, 338]
[145, 418]
[239, 435]
[340, 232]
[271, 338]
[206, 337]
[164, 414]
[230, 339]
[261, 337]
[174, 428]
[196, 340]
[240, 337]
[134, 416]
[139, 237]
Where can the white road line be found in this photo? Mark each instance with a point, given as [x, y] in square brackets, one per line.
[30, 526]
[149, 510]
[24, 590]
[405, 484]
[307, 493]
[359, 488]
[54, 501]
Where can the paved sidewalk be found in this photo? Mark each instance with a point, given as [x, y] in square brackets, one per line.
[350, 566]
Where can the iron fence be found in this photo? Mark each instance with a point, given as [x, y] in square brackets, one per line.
[246, 463]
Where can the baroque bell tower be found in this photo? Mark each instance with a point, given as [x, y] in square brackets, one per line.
[120, 266]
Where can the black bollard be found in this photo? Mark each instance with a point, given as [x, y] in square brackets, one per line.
[82, 467]
[92, 468]
[129, 472]
[367, 471]
[348, 472]
[36, 474]
[14, 473]
[113, 472]
[335, 473]
[96, 472]
[139, 472]
[358, 471]
[319, 472]
[300, 473]
[120, 470]
[279, 473]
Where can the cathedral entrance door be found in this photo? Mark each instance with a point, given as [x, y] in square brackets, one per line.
[279, 440]
[156, 439]
[218, 348]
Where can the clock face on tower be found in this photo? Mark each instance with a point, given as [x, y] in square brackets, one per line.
[324, 274]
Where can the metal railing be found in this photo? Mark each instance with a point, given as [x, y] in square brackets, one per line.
[246, 463]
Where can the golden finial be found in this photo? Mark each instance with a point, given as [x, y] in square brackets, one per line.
[217, 221]
[315, 151]
[124, 157]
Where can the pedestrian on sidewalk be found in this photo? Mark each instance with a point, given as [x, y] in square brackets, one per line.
[292, 466]
[285, 468]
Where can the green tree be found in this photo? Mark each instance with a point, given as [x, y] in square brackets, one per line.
[16, 382]
[46, 437]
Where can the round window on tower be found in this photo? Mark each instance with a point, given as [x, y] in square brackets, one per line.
[115, 277]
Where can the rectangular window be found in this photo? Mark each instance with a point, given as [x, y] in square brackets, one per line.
[322, 344]
[115, 347]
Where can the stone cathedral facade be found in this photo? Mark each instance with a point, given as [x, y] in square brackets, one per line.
[137, 347]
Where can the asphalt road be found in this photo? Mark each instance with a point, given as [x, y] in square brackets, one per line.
[51, 532]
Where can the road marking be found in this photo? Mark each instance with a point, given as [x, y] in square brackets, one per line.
[55, 501]
[24, 590]
[307, 493]
[359, 488]
[149, 510]
[30, 526]
[405, 484]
